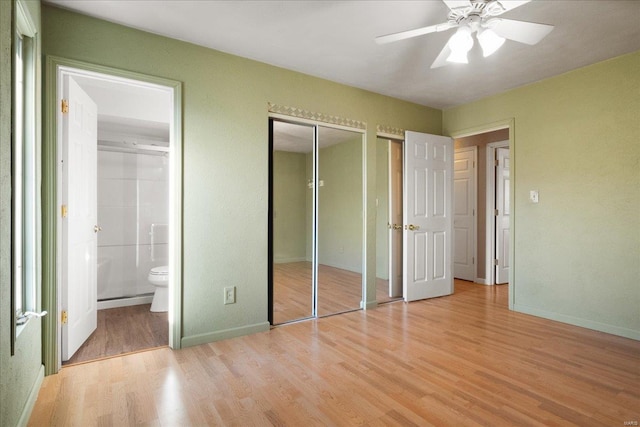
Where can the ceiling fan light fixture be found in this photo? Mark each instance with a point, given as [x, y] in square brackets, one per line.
[458, 57]
[489, 41]
[460, 43]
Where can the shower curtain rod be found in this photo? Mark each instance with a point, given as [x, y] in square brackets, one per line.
[131, 146]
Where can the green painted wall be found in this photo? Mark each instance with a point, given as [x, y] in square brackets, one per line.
[226, 140]
[289, 201]
[20, 374]
[340, 221]
[577, 141]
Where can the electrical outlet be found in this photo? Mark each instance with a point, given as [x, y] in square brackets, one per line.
[230, 295]
[533, 196]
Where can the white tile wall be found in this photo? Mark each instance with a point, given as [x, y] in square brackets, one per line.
[133, 191]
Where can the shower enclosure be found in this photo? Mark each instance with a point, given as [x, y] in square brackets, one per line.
[133, 212]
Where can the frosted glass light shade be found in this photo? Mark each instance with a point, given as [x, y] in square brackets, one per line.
[459, 57]
[489, 41]
[459, 44]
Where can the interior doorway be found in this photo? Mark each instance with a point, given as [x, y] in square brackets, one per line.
[389, 217]
[117, 190]
[492, 247]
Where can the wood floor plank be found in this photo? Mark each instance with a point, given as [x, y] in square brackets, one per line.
[462, 359]
[124, 330]
[338, 291]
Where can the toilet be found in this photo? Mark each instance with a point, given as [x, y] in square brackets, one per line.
[159, 277]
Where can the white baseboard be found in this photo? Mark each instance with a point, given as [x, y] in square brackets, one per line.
[224, 334]
[576, 321]
[125, 302]
[31, 400]
[481, 281]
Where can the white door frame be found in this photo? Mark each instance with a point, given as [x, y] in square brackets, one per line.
[489, 127]
[490, 206]
[55, 68]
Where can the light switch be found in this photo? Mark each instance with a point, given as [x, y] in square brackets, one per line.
[533, 196]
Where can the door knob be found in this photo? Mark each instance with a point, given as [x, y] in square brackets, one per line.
[96, 228]
[412, 227]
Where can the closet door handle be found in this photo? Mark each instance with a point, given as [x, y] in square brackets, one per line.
[412, 227]
[97, 228]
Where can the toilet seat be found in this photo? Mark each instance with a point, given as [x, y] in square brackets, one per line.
[162, 270]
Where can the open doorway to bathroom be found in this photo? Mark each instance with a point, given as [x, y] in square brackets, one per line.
[115, 177]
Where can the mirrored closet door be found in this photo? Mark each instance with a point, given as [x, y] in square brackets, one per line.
[316, 221]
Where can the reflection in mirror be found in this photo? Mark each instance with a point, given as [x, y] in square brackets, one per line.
[292, 222]
[340, 221]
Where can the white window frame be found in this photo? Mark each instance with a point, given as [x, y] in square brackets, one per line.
[24, 173]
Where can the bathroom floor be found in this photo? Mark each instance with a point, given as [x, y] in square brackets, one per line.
[124, 330]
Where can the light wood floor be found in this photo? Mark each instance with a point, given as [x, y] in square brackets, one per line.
[458, 360]
[338, 291]
[123, 330]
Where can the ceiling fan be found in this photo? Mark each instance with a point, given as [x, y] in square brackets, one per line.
[481, 16]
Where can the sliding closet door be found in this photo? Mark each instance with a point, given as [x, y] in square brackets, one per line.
[292, 221]
[340, 221]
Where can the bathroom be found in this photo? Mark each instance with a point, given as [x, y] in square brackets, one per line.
[133, 234]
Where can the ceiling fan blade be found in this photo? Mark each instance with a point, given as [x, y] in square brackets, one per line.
[413, 33]
[441, 59]
[512, 4]
[454, 4]
[521, 31]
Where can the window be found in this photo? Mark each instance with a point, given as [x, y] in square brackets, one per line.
[23, 164]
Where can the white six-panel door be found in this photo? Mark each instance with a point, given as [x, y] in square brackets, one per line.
[79, 228]
[502, 218]
[428, 216]
[464, 219]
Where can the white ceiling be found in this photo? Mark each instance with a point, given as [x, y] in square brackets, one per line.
[334, 40]
[129, 112]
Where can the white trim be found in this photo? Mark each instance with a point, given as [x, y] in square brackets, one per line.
[577, 321]
[481, 281]
[125, 302]
[390, 136]
[390, 132]
[31, 399]
[490, 227]
[25, 24]
[76, 68]
[224, 334]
